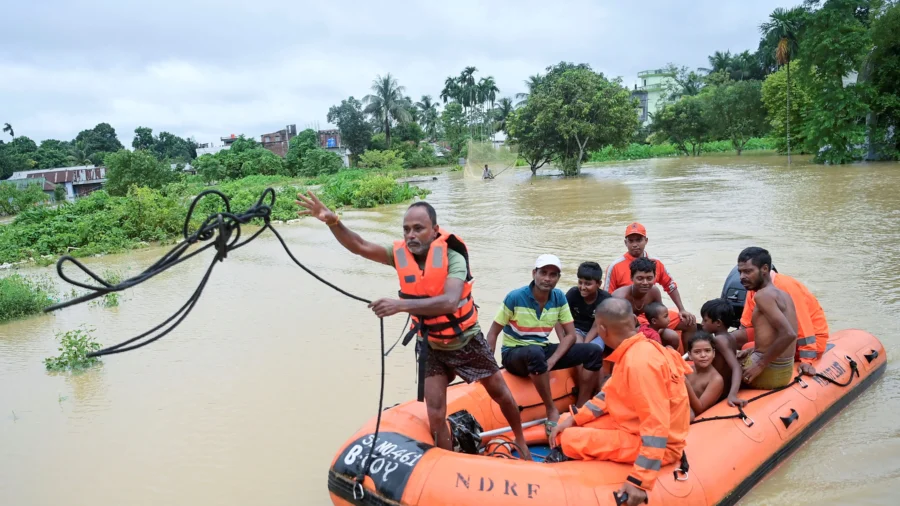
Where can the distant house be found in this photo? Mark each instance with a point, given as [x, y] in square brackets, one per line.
[207, 148]
[650, 92]
[330, 140]
[277, 142]
[78, 181]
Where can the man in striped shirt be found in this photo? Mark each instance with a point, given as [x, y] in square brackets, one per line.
[527, 316]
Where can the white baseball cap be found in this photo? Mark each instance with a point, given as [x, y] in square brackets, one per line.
[546, 259]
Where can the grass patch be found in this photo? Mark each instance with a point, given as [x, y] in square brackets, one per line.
[647, 151]
[21, 296]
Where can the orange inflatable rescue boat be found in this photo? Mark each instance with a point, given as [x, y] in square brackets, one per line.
[726, 456]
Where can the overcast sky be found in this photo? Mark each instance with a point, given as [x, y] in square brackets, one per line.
[207, 69]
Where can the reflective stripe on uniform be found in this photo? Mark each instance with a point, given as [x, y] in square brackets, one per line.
[437, 257]
[807, 354]
[654, 441]
[806, 340]
[648, 464]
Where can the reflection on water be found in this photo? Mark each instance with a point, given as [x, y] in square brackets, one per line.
[249, 399]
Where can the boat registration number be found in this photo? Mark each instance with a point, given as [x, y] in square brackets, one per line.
[393, 460]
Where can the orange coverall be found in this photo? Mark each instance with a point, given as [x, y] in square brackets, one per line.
[812, 327]
[642, 415]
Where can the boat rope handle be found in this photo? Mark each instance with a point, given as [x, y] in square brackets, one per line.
[854, 369]
[223, 229]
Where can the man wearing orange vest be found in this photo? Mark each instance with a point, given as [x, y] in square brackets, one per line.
[436, 289]
[641, 415]
[812, 327]
[619, 274]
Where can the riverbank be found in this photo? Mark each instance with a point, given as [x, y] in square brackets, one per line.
[100, 223]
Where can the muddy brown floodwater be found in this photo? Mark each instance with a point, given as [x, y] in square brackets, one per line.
[249, 399]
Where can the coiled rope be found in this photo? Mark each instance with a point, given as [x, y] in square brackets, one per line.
[223, 231]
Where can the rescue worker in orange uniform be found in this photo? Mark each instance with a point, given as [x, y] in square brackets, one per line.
[436, 290]
[641, 415]
[812, 327]
[618, 274]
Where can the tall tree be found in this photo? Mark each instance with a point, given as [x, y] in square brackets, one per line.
[126, 168]
[487, 93]
[387, 103]
[685, 124]
[720, 61]
[501, 114]
[587, 111]
[736, 112]
[143, 138]
[429, 116]
[784, 26]
[7, 128]
[355, 130]
[531, 83]
[454, 123]
[836, 43]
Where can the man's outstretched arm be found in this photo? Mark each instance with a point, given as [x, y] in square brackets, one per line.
[348, 238]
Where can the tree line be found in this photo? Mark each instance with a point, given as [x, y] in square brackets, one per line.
[823, 81]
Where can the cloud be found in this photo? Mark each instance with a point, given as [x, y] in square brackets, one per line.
[208, 69]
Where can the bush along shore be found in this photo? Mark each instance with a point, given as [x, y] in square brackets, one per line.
[100, 223]
[22, 296]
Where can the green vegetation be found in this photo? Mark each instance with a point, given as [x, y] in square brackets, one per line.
[15, 199]
[572, 111]
[74, 347]
[110, 299]
[104, 223]
[21, 296]
[635, 151]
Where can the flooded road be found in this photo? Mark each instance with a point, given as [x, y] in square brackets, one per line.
[249, 399]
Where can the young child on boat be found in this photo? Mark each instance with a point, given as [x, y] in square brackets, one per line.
[705, 385]
[716, 313]
[658, 319]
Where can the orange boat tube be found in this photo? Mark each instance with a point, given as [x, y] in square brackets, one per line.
[726, 457]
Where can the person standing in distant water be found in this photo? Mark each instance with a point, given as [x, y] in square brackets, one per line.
[487, 173]
[619, 274]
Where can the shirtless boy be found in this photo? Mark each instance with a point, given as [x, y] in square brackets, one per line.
[715, 314]
[771, 364]
[705, 385]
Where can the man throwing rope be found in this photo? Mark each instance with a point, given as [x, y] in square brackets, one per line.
[436, 290]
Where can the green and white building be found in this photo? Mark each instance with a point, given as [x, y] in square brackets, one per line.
[650, 90]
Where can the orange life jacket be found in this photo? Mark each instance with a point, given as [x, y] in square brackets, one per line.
[418, 284]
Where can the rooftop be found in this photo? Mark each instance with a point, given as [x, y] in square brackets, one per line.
[655, 72]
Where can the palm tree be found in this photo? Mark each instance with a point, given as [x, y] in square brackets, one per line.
[721, 61]
[7, 128]
[501, 113]
[531, 83]
[784, 26]
[429, 114]
[451, 90]
[487, 92]
[386, 104]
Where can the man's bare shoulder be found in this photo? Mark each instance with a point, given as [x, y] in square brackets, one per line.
[656, 294]
[623, 292]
